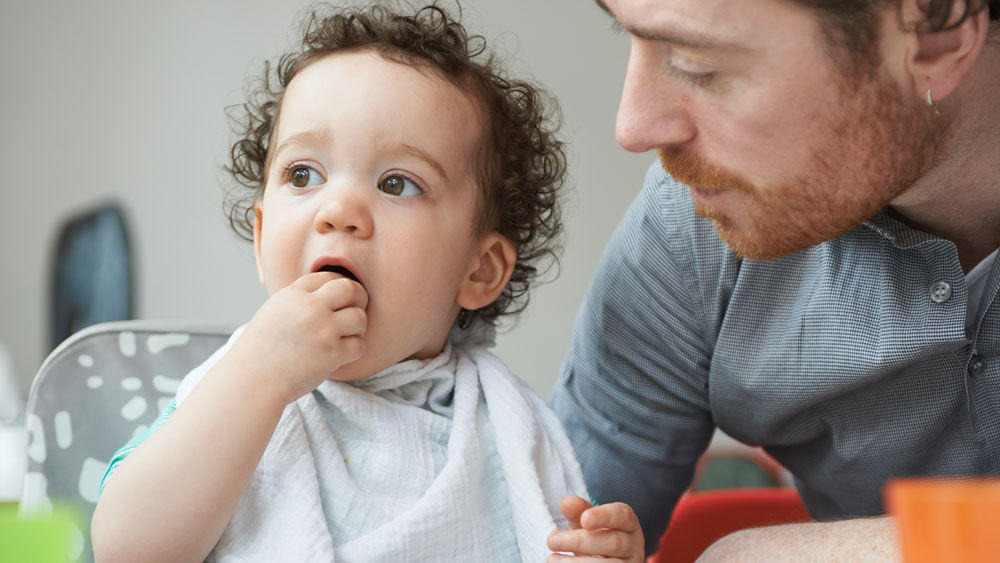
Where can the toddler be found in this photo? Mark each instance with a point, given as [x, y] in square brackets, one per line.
[400, 194]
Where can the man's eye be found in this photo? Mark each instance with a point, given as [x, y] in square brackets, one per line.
[694, 78]
[399, 185]
[301, 176]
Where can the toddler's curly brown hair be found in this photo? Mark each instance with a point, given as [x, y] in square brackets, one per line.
[521, 164]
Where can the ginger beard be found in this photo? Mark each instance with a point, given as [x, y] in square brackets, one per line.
[876, 146]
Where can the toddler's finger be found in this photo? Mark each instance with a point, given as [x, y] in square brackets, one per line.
[604, 543]
[312, 282]
[341, 293]
[572, 507]
[351, 321]
[616, 515]
[350, 349]
[560, 558]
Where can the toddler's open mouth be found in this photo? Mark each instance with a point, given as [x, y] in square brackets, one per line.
[339, 270]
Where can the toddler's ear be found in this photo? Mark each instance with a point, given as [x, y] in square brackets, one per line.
[256, 240]
[488, 273]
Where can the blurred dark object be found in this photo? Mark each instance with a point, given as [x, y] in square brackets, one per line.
[92, 273]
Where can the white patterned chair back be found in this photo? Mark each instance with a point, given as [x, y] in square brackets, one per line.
[91, 395]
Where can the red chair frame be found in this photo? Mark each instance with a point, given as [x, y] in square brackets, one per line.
[703, 517]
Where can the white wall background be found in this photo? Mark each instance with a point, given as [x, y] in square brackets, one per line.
[123, 100]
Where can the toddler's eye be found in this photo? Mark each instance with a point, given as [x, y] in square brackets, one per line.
[301, 176]
[397, 184]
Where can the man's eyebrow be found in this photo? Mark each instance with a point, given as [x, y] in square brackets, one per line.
[685, 38]
[426, 157]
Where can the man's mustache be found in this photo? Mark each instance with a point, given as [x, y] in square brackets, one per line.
[689, 169]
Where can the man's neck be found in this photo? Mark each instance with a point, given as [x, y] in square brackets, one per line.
[959, 199]
[966, 213]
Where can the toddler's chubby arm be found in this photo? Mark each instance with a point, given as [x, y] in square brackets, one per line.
[609, 532]
[171, 498]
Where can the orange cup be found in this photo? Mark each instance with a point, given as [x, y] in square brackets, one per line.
[946, 519]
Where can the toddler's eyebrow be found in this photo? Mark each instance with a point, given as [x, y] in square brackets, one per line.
[426, 157]
[312, 137]
[319, 137]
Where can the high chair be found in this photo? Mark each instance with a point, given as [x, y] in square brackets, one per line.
[95, 391]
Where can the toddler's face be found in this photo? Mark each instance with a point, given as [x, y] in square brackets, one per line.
[372, 171]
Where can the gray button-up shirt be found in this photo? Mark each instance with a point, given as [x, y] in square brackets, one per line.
[850, 362]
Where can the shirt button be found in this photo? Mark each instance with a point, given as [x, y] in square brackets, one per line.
[977, 366]
[940, 292]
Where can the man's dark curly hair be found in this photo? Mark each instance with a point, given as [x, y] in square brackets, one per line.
[851, 26]
[521, 163]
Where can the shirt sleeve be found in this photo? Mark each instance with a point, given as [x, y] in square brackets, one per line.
[135, 441]
[633, 394]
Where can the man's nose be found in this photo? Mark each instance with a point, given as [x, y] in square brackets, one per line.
[347, 210]
[652, 113]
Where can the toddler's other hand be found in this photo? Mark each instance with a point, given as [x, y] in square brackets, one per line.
[303, 333]
[609, 532]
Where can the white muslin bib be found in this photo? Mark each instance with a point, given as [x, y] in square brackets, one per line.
[447, 459]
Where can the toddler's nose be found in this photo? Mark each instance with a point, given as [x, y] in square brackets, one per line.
[347, 212]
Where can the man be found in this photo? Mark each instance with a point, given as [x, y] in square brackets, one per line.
[811, 266]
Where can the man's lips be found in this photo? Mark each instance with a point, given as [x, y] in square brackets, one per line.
[706, 196]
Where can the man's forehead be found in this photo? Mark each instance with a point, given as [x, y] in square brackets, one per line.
[708, 9]
[703, 24]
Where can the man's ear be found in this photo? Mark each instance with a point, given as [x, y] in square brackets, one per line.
[938, 62]
[488, 273]
[256, 240]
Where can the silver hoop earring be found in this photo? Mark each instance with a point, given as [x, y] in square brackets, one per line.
[930, 102]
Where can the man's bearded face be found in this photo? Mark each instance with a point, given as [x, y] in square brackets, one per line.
[878, 144]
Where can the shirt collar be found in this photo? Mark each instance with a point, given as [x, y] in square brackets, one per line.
[902, 236]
